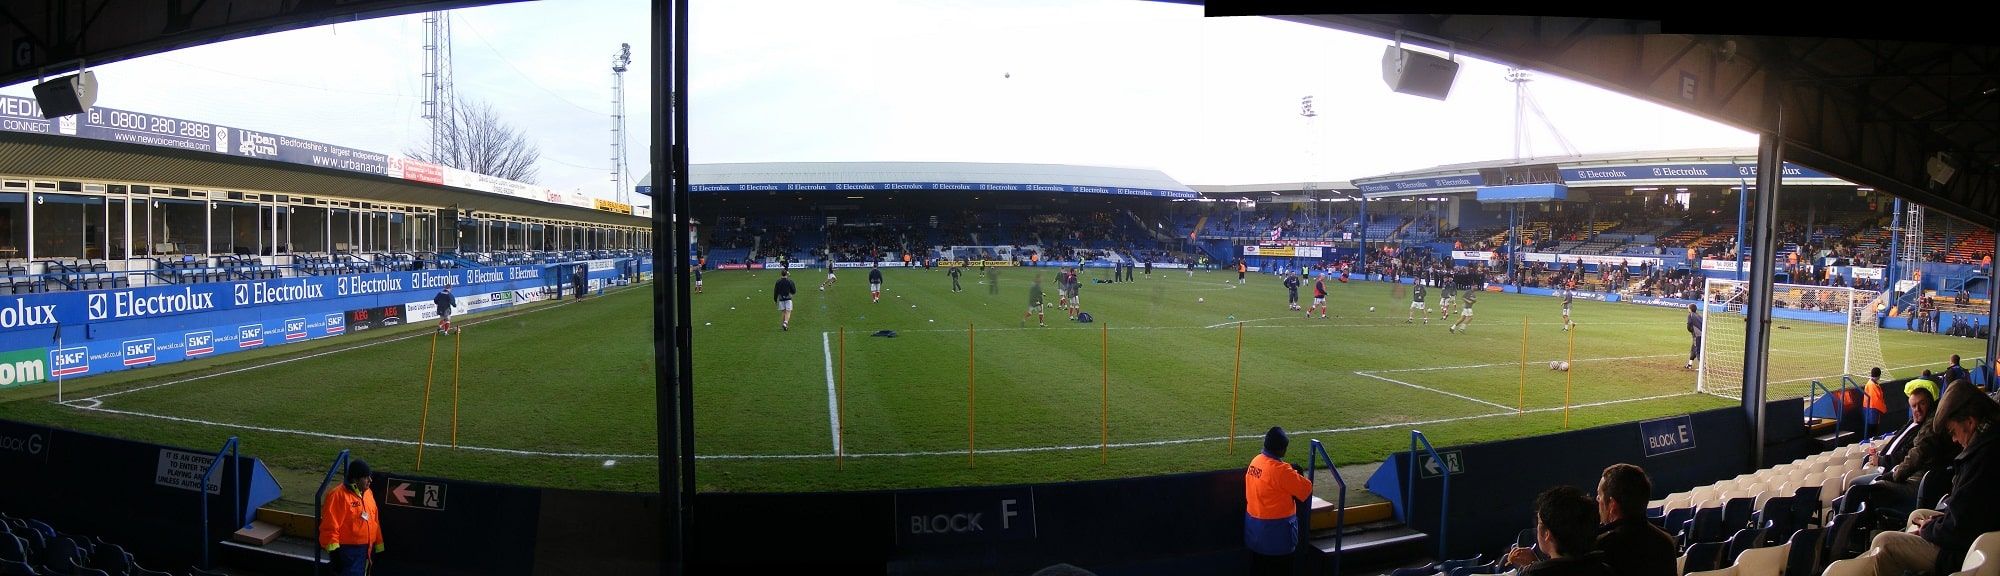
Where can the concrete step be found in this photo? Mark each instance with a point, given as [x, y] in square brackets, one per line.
[286, 555]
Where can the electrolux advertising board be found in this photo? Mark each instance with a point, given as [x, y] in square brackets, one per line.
[108, 330]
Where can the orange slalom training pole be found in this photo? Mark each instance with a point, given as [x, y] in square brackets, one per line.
[971, 399]
[1521, 403]
[1236, 388]
[840, 401]
[1104, 419]
[456, 344]
[423, 424]
[1569, 376]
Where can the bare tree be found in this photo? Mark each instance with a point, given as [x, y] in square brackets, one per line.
[478, 140]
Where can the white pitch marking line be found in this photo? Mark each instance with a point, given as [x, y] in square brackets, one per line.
[1517, 363]
[419, 333]
[832, 401]
[1508, 412]
[1232, 322]
[1459, 396]
[364, 438]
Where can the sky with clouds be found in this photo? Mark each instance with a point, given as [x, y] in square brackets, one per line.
[1092, 82]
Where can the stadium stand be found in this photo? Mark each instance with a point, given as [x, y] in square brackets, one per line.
[31, 547]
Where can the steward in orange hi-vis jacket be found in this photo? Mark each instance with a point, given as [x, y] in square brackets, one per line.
[349, 527]
[1272, 490]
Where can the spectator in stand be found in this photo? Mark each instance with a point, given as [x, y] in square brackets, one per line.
[1565, 523]
[1630, 545]
[1937, 541]
[1955, 372]
[1916, 450]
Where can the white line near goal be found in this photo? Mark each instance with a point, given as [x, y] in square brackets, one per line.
[1429, 389]
[832, 399]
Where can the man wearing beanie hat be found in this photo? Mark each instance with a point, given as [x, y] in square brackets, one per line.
[1273, 490]
[349, 528]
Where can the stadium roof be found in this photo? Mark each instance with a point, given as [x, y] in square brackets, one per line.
[1263, 191]
[65, 157]
[791, 176]
[1639, 156]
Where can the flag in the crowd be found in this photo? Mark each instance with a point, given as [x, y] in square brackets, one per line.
[1276, 231]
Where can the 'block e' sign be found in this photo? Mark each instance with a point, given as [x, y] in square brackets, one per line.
[1667, 435]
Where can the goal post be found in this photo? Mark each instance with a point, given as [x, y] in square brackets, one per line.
[1817, 333]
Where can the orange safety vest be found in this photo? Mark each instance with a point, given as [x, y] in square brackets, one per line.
[1872, 397]
[1272, 489]
[349, 519]
[1240, 267]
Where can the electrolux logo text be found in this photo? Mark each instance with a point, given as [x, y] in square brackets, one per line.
[127, 304]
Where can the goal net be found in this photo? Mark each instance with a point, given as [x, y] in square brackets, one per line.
[1817, 333]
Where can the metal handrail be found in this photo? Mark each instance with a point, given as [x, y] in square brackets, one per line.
[1846, 381]
[1839, 408]
[319, 504]
[235, 462]
[1409, 491]
[1340, 507]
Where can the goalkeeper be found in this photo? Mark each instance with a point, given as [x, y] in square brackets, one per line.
[1694, 330]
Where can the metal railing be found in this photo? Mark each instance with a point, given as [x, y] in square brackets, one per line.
[235, 466]
[319, 504]
[1839, 401]
[1410, 488]
[1862, 393]
[1340, 505]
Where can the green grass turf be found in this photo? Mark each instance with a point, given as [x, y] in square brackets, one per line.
[570, 377]
[1039, 393]
[578, 379]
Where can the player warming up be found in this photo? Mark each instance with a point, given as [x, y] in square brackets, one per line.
[1465, 311]
[875, 284]
[782, 294]
[1292, 285]
[1319, 297]
[1035, 304]
[1417, 305]
[1447, 290]
[830, 278]
[1569, 294]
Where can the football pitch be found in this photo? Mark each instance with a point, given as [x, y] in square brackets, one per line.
[965, 393]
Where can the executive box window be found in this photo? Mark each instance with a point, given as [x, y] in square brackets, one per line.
[69, 226]
[517, 236]
[308, 229]
[468, 236]
[398, 232]
[176, 227]
[342, 228]
[422, 229]
[115, 222]
[13, 225]
[237, 229]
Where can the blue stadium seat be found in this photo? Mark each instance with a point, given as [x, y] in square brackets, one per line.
[1805, 552]
[1744, 539]
[1702, 557]
[1782, 516]
[1736, 513]
[1705, 526]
